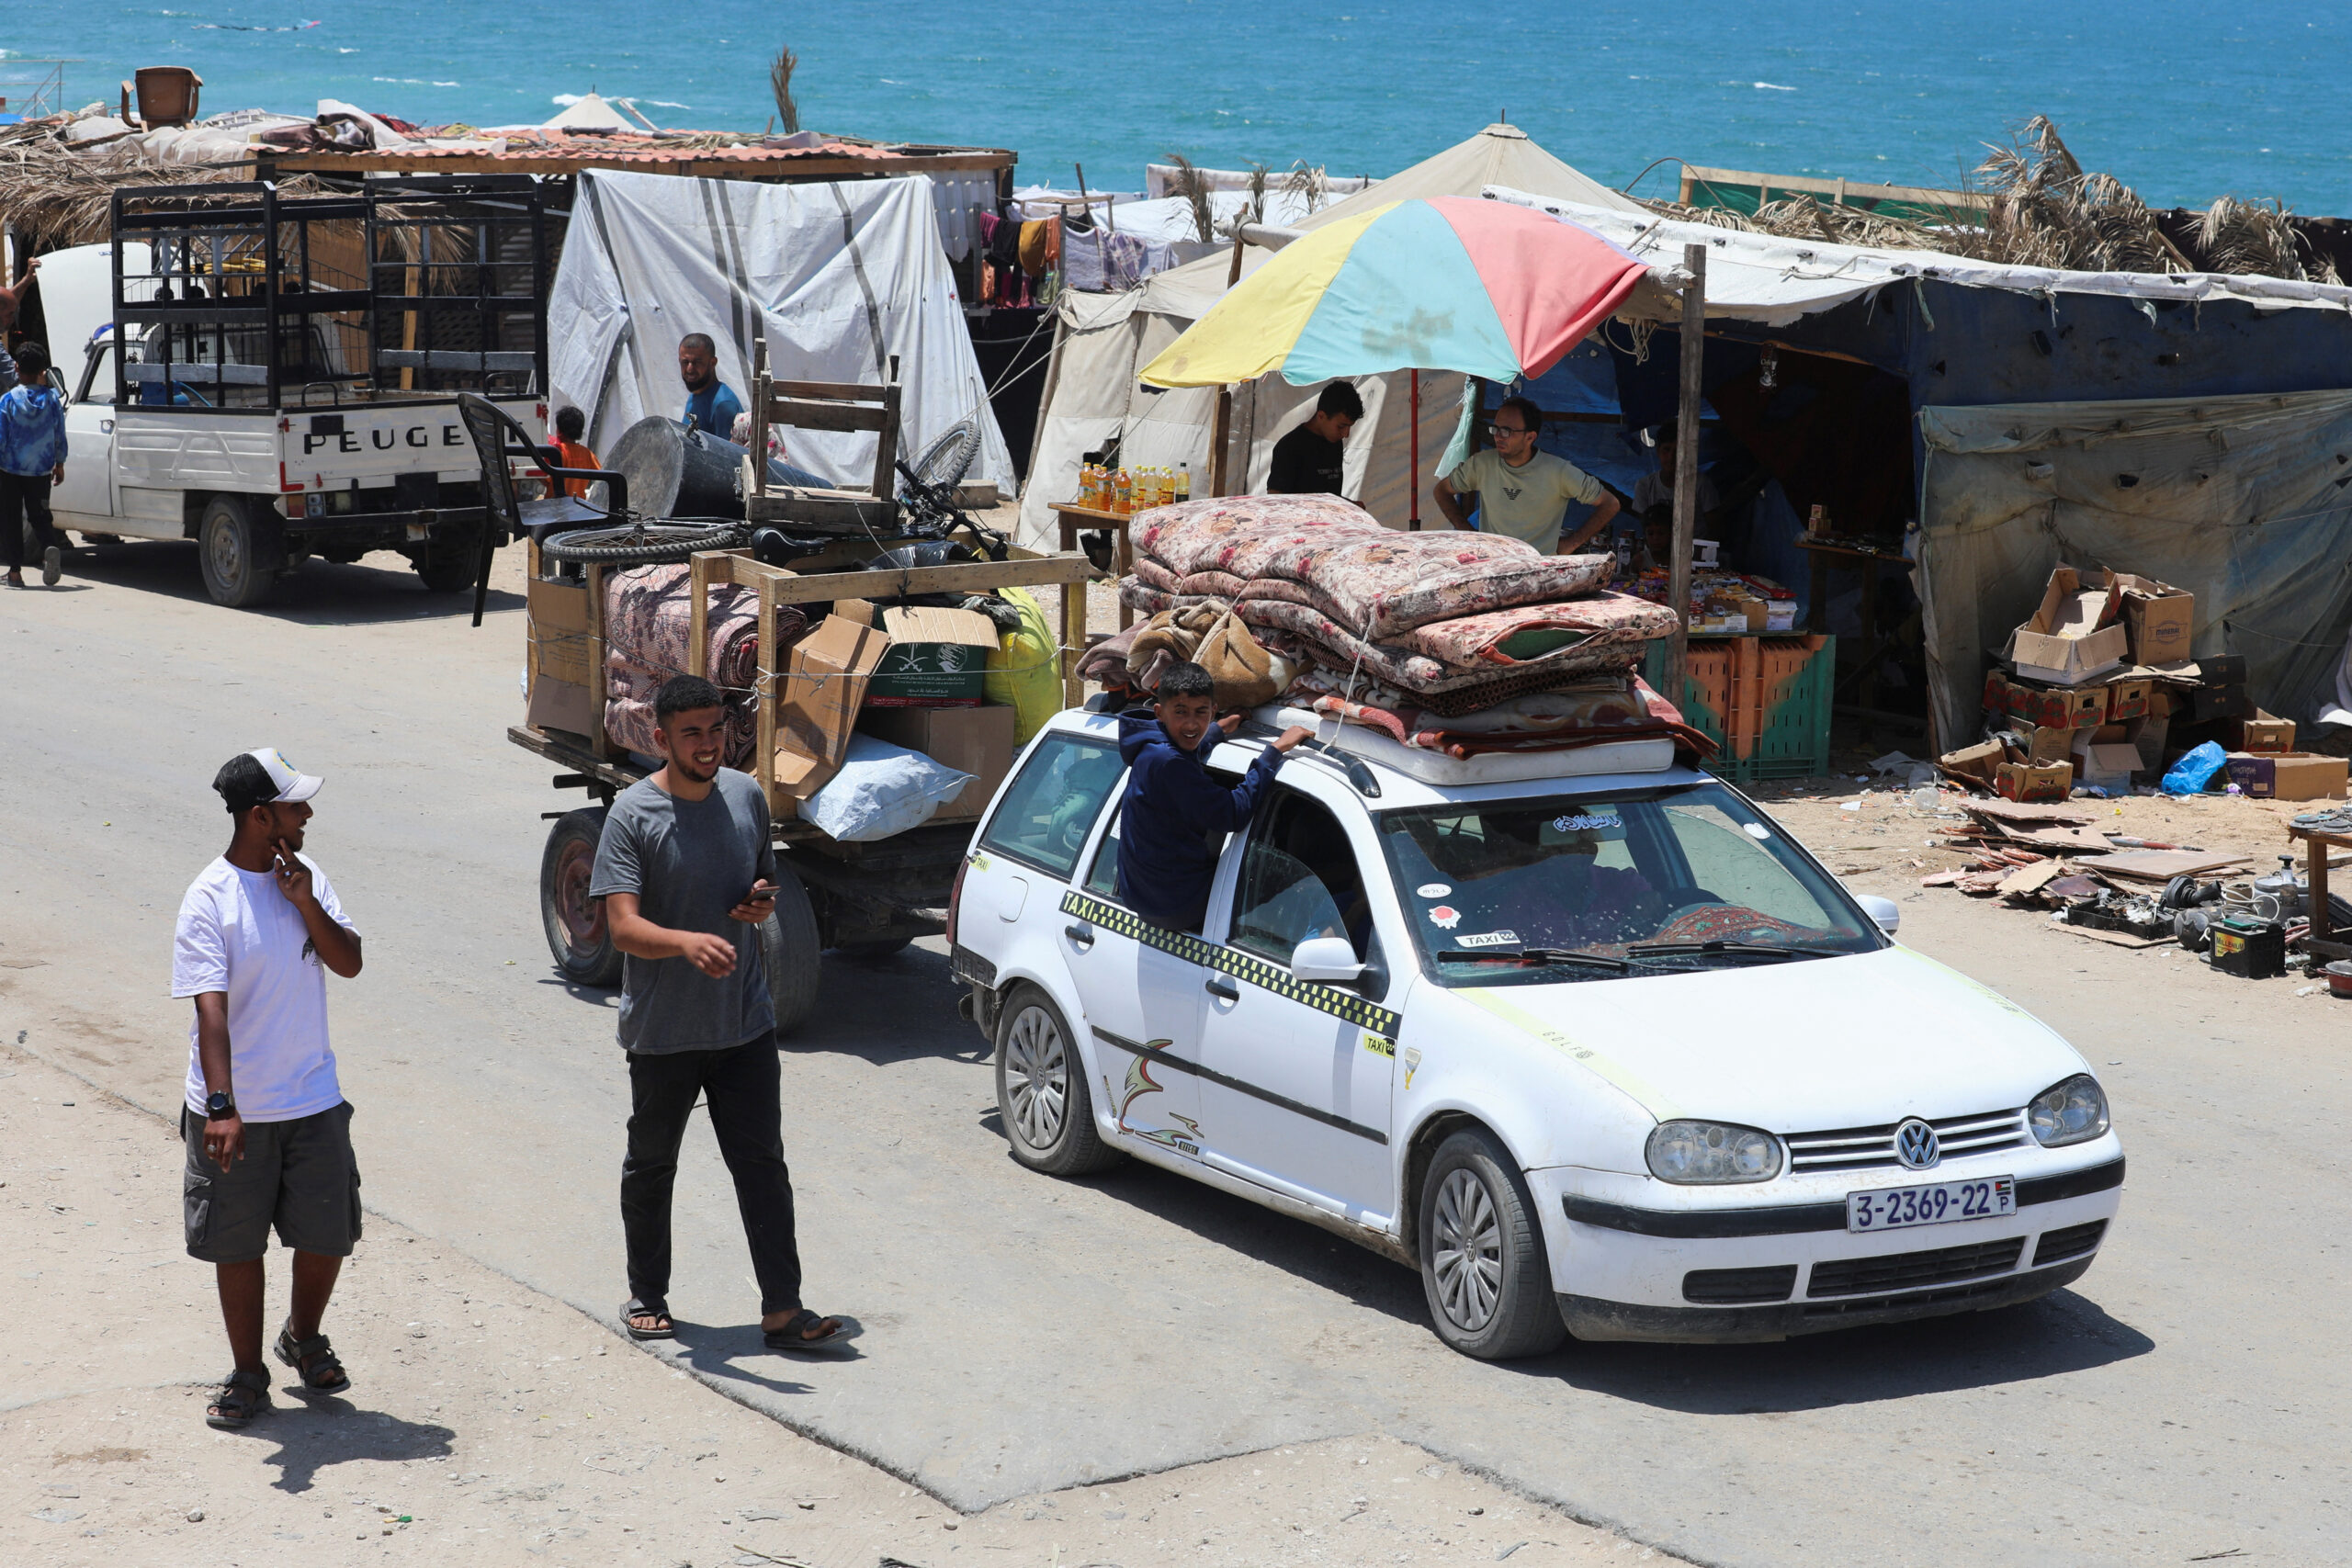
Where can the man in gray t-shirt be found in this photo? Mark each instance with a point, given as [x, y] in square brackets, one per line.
[687, 874]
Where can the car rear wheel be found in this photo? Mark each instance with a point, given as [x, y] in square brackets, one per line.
[577, 935]
[240, 545]
[1041, 1089]
[1483, 1263]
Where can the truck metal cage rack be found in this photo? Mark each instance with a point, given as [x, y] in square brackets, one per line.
[237, 296]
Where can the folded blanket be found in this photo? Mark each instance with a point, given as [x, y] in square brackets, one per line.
[1402, 664]
[649, 620]
[1374, 581]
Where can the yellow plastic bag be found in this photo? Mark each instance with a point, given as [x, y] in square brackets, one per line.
[1025, 670]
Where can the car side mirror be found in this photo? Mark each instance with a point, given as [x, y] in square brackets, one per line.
[1327, 958]
[1881, 910]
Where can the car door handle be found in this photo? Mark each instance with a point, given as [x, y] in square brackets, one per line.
[1079, 935]
[1222, 987]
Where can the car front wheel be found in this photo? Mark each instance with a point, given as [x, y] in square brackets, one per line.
[1041, 1089]
[1483, 1264]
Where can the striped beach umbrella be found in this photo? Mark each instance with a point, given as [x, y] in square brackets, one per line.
[1446, 283]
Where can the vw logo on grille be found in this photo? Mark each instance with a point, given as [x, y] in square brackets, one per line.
[1916, 1144]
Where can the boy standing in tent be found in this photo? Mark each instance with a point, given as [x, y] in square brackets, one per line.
[1310, 459]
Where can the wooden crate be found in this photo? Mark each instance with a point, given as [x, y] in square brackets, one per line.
[777, 586]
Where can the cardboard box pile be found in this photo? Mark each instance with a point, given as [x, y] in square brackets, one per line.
[557, 612]
[2075, 635]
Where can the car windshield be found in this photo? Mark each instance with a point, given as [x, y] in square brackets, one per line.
[1537, 890]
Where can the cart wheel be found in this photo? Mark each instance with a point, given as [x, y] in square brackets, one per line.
[789, 946]
[577, 935]
[239, 551]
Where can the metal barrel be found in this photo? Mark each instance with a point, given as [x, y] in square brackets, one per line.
[676, 472]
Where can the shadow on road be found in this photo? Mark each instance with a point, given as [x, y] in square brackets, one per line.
[737, 1353]
[321, 594]
[2060, 1334]
[893, 1010]
[312, 1434]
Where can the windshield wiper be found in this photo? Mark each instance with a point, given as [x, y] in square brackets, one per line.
[1534, 955]
[1736, 949]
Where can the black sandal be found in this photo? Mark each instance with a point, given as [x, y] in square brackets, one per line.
[792, 1336]
[633, 1309]
[242, 1396]
[318, 1353]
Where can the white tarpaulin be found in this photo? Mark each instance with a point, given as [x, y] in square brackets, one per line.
[842, 278]
[1768, 278]
[2246, 501]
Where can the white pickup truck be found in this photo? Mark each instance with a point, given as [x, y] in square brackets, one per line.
[182, 424]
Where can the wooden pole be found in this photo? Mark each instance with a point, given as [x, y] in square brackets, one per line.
[1686, 469]
[1221, 435]
[1413, 474]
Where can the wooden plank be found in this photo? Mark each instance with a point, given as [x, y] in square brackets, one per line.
[850, 391]
[1847, 190]
[698, 616]
[1023, 571]
[767, 690]
[595, 578]
[808, 413]
[885, 443]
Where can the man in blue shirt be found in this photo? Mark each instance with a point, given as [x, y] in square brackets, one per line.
[1173, 817]
[711, 404]
[33, 458]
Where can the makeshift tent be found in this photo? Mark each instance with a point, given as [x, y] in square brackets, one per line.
[2189, 427]
[840, 277]
[1094, 396]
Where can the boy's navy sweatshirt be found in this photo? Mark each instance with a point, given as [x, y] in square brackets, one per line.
[1173, 820]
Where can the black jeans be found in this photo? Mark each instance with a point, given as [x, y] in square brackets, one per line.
[24, 498]
[743, 1089]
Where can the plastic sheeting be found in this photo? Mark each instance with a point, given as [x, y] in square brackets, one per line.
[1768, 278]
[840, 277]
[2246, 501]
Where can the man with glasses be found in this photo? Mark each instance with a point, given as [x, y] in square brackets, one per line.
[1523, 492]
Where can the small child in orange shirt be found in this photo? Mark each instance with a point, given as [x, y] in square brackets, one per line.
[570, 425]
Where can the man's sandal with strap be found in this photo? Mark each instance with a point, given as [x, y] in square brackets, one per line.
[314, 1360]
[241, 1396]
[793, 1335]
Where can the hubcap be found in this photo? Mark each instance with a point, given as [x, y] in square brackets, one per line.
[1036, 1077]
[228, 558]
[582, 918]
[1468, 1251]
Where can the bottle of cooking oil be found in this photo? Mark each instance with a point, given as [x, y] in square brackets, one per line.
[1123, 494]
[1184, 482]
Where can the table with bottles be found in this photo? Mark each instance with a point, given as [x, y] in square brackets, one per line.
[1108, 498]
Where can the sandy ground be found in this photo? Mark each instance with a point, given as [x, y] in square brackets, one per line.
[489, 1423]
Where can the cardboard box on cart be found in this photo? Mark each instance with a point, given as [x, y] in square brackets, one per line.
[563, 652]
[825, 678]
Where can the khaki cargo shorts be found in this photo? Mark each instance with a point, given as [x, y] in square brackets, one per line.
[298, 1176]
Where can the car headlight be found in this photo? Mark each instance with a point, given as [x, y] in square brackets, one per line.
[1701, 1153]
[2071, 1113]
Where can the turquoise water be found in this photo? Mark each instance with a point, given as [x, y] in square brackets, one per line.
[2184, 102]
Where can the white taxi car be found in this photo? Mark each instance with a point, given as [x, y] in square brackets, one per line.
[1601, 1051]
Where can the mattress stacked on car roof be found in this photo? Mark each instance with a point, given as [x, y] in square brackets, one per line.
[1395, 627]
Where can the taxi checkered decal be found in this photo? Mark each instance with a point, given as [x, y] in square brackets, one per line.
[1243, 966]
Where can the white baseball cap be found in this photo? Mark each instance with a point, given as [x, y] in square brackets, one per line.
[292, 782]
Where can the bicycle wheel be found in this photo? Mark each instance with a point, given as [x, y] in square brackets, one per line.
[644, 543]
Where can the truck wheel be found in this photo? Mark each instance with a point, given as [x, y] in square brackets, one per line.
[238, 550]
[449, 561]
[1041, 1089]
[1483, 1264]
[577, 935]
[789, 946]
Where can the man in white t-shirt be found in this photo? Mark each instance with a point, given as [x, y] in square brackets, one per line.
[1524, 492]
[267, 1130]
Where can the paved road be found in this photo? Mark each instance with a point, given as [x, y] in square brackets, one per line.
[2187, 1397]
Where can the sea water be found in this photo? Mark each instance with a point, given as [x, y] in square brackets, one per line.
[2183, 101]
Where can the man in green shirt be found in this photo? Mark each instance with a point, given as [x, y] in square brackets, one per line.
[1523, 493]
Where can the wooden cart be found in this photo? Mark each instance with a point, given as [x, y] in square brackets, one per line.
[863, 900]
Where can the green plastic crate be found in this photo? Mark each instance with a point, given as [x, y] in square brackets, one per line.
[1786, 679]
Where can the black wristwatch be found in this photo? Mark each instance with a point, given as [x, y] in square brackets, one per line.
[218, 1105]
